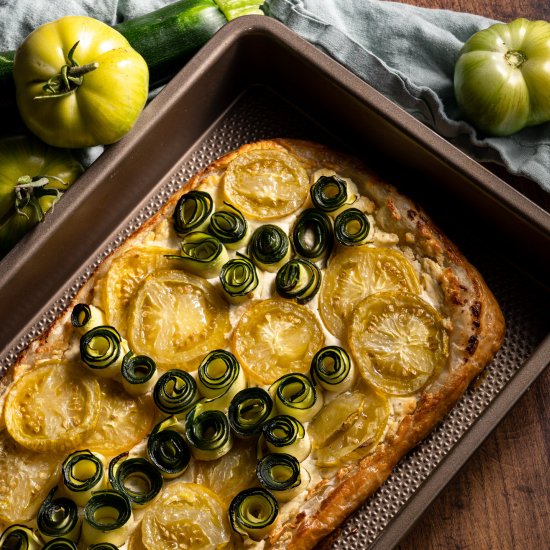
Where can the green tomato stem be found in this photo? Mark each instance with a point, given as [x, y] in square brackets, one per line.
[69, 78]
[29, 190]
[515, 58]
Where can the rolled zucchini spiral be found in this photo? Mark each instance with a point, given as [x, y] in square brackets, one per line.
[229, 226]
[352, 227]
[239, 279]
[19, 537]
[312, 235]
[298, 279]
[249, 410]
[175, 391]
[192, 212]
[269, 247]
[331, 194]
[102, 349]
[136, 478]
[332, 369]
[286, 434]
[83, 472]
[295, 395]
[58, 518]
[209, 434]
[220, 374]
[201, 254]
[167, 448]
[139, 373]
[253, 512]
[108, 518]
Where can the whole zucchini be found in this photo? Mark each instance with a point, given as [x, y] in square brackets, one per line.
[165, 38]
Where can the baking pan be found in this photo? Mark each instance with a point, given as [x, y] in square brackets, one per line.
[256, 79]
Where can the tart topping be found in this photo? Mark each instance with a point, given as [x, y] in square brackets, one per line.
[266, 183]
[276, 337]
[398, 341]
[177, 318]
[187, 516]
[355, 273]
[34, 423]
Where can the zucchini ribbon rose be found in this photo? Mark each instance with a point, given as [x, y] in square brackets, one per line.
[229, 226]
[136, 478]
[175, 391]
[253, 512]
[269, 247]
[298, 279]
[58, 517]
[192, 212]
[283, 475]
[249, 410]
[330, 194]
[313, 236]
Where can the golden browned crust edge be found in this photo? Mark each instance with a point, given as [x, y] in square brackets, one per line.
[467, 297]
[486, 324]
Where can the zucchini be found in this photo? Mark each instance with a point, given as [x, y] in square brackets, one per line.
[249, 410]
[58, 518]
[220, 374]
[229, 226]
[298, 279]
[312, 235]
[136, 478]
[201, 254]
[239, 279]
[295, 395]
[253, 512]
[269, 247]
[81, 473]
[192, 212]
[166, 38]
[167, 448]
[107, 518]
[174, 391]
[332, 369]
[352, 227]
[330, 194]
[283, 475]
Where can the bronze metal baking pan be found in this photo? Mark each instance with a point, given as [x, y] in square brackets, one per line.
[256, 79]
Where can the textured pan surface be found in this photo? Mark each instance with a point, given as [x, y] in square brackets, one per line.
[258, 114]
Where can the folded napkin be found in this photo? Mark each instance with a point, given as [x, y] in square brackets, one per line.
[408, 54]
[405, 52]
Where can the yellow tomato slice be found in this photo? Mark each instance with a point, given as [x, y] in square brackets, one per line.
[124, 276]
[52, 407]
[398, 341]
[124, 420]
[355, 273]
[26, 477]
[230, 474]
[266, 183]
[276, 337]
[186, 515]
[177, 318]
[349, 426]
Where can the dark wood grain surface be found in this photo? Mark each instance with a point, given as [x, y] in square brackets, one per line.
[501, 499]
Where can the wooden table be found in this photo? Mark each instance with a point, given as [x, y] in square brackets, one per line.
[501, 498]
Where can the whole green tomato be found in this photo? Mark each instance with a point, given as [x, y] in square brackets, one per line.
[79, 83]
[502, 77]
[33, 176]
